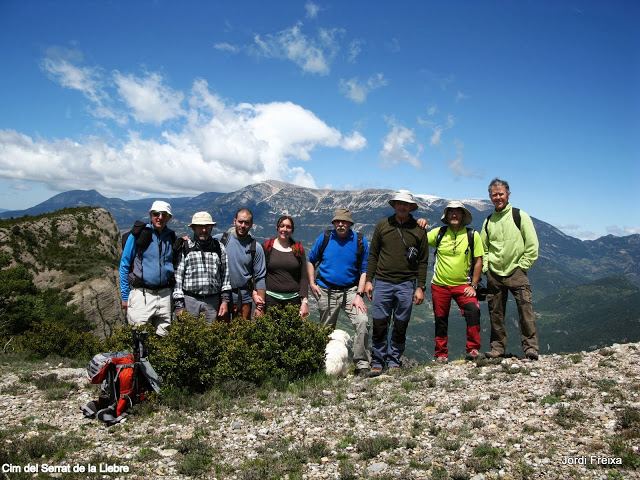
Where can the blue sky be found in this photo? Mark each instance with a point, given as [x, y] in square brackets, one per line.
[136, 99]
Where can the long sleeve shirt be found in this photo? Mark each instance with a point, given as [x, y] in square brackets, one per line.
[388, 253]
[505, 247]
[202, 273]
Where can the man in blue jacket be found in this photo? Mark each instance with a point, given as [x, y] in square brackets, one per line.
[341, 256]
[146, 271]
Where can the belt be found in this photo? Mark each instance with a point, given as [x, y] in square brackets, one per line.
[197, 295]
[338, 288]
[154, 290]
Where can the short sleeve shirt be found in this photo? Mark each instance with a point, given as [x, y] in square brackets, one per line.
[451, 267]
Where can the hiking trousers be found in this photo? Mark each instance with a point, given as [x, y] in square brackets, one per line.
[469, 308]
[498, 290]
[148, 305]
[330, 303]
[390, 301]
[209, 305]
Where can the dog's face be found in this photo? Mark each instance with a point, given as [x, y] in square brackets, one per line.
[340, 336]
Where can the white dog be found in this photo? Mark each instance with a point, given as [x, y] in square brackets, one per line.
[336, 354]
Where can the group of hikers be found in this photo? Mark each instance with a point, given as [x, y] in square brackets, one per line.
[229, 275]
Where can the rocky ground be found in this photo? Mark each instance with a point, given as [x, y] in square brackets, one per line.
[565, 416]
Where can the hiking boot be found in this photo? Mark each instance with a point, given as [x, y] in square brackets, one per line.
[494, 354]
[474, 355]
[395, 369]
[532, 356]
[361, 372]
[375, 372]
[442, 359]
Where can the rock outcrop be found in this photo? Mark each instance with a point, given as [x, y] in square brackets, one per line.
[76, 250]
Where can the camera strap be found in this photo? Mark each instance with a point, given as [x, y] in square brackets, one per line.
[400, 233]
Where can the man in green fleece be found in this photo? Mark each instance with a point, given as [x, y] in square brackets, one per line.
[398, 262]
[510, 250]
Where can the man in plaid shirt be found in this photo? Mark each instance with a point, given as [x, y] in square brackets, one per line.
[202, 274]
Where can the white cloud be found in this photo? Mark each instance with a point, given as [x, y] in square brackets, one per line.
[355, 48]
[356, 91]
[226, 47]
[622, 231]
[59, 66]
[216, 147]
[149, 99]
[312, 9]
[21, 187]
[393, 45]
[435, 139]
[313, 55]
[461, 96]
[395, 147]
[457, 165]
[354, 143]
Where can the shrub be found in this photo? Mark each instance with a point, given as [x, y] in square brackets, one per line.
[48, 338]
[195, 356]
[277, 344]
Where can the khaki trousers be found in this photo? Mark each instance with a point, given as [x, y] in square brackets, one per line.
[498, 291]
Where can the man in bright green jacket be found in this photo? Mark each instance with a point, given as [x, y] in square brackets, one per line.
[510, 250]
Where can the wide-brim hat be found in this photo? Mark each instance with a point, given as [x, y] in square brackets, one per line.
[160, 206]
[202, 218]
[455, 204]
[343, 214]
[404, 196]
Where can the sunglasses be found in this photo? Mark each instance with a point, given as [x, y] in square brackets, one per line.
[157, 214]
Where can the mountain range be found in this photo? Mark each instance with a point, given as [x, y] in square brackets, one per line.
[564, 260]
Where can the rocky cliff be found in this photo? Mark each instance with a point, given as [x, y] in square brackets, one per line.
[76, 250]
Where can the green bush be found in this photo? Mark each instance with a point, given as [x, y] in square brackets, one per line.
[48, 338]
[278, 344]
[195, 356]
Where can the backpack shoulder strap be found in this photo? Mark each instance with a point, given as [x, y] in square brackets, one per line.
[360, 252]
[137, 227]
[516, 217]
[252, 250]
[323, 247]
[267, 247]
[225, 239]
[486, 225]
[441, 233]
[216, 247]
[470, 246]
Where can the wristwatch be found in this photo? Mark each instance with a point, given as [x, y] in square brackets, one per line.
[423, 287]
[475, 287]
[361, 294]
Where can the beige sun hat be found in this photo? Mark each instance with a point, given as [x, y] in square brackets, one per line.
[343, 214]
[456, 204]
[404, 196]
[202, 218]
[160, 206]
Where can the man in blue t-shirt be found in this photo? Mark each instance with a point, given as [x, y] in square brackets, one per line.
[339, 283]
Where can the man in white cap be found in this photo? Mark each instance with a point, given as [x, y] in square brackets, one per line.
[146, 270]
[340, 256]
[457, 270]
[202, 273]
[398, 261]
